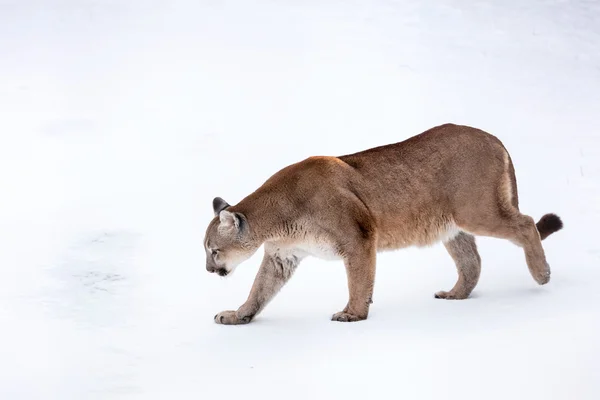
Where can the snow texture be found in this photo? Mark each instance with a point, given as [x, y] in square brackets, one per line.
[121, 120]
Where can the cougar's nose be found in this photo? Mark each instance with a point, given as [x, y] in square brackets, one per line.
[210, 269]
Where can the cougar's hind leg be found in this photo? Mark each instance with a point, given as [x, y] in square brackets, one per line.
[463, 250]
[496, 214]
[521, 230]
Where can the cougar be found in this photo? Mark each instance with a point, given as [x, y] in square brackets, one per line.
[446, 184]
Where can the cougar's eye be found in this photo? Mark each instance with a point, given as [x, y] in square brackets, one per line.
[215, 252]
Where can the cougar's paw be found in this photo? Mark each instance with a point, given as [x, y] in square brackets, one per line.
[230, 318]
[542, 277]
[345, 317]
[450, 295]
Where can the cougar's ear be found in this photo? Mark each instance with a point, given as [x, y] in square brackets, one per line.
[232, 220]
[219, 205]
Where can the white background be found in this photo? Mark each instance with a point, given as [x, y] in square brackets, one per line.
[121, 120]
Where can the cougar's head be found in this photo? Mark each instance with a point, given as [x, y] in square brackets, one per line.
[227, 242]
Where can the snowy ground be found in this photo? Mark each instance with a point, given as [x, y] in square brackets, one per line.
[121, 120]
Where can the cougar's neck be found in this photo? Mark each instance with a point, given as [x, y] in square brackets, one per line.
[267, 214]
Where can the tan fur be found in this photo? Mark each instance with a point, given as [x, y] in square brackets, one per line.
[447, 184]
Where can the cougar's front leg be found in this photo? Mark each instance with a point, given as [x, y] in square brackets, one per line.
[360, 269]
[274, 272]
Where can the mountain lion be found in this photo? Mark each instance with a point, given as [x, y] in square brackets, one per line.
[446, 184]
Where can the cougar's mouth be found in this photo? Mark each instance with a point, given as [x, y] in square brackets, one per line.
[222, 272]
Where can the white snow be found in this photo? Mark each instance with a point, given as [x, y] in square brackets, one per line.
[120, 121]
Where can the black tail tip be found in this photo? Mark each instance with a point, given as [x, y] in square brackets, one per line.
[549, 224]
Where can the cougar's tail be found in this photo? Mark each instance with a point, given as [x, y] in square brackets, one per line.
[548, 224]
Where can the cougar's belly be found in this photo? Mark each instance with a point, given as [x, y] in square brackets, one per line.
[418, 232]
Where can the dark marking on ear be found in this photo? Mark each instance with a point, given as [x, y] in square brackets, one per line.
[241, 223]
[233, 220]
[219, 205]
